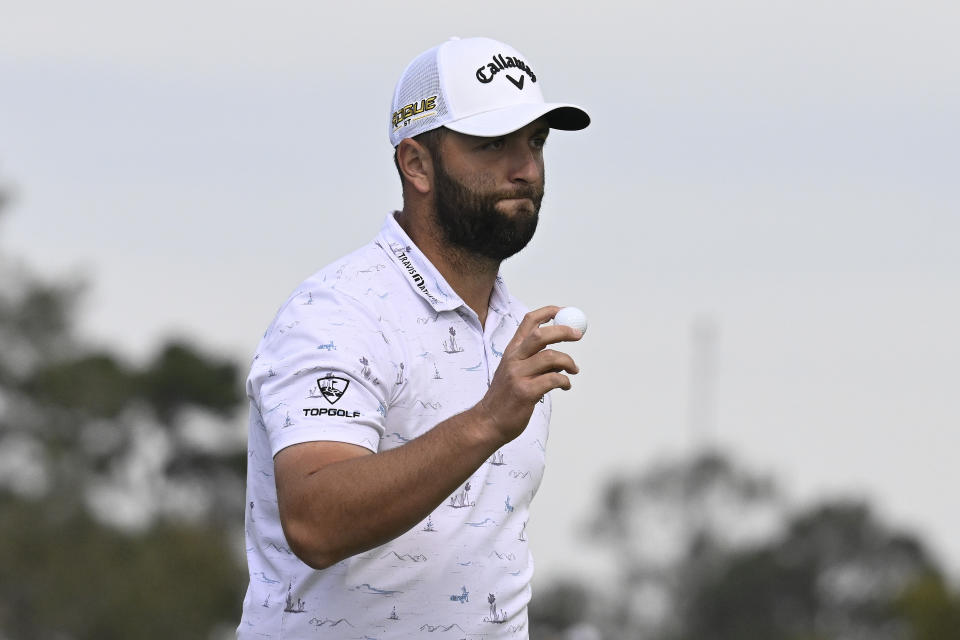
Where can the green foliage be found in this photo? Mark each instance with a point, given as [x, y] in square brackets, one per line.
[829, 571]
[836, 570]
[75, 578]
[95, 384]
[35, 323]
[99, 386]
[558, 607]
[931, 607]
[87, 417]
[179, 377]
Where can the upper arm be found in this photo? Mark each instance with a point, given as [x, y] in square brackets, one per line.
[295, 464]
[294, 470]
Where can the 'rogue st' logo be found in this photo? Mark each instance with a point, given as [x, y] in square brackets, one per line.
[332, 387]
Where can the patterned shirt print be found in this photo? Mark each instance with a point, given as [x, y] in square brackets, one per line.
[374, 350]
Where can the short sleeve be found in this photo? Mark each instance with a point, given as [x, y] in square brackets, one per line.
[316, 375]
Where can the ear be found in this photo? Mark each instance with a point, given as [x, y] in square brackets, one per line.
[416, 165]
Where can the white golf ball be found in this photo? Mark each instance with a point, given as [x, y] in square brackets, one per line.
[572, 317]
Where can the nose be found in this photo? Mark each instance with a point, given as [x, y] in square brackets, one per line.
[526, 163]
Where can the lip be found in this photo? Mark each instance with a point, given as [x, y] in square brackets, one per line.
[519, 204]
[516, 206]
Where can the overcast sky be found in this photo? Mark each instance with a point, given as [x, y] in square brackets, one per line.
[788, 170]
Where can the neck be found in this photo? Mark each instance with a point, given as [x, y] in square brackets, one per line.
[471, 276]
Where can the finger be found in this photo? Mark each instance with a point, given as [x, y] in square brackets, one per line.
[540, 337]
[550, 381]
[531, 321]
[547, 361]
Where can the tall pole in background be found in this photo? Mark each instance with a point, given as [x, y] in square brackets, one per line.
[701, 420]
[702, 398]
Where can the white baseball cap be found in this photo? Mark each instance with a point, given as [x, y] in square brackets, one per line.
[476, 86]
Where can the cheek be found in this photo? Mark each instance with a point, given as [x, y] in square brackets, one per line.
[482, 181]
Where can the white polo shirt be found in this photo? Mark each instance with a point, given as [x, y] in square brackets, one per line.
[375, 350]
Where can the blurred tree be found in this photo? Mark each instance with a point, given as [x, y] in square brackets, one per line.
[835, 573]
[931, 607]
[121, 486]
[76, 578]
[706, 549]
[672, 523]
[560, 606]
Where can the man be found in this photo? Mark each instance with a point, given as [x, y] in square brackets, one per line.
[399, 401]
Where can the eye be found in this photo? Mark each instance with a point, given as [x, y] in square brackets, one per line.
[538, 142]
[494, 145]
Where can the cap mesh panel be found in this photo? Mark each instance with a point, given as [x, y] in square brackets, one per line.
[419, 82]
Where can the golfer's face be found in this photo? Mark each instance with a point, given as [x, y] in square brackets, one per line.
[508, 169]
[487, 191]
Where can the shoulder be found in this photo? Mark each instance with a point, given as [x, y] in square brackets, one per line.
[333, 313]
[345, 287]
[349, 275]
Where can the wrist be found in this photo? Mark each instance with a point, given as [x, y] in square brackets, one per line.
[482, 427]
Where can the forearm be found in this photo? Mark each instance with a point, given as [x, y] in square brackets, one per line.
[349, 506]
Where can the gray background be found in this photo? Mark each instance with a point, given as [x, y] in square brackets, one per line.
[782, 173]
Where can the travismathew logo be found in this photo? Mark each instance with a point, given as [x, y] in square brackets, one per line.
[487, 72]
[332, 387]
[414, 275]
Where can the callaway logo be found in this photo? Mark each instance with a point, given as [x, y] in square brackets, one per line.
[488, 71]
[332, 387]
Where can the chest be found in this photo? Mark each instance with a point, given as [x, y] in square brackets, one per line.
[446, 366]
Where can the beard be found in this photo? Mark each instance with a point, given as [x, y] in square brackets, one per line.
[468, 217]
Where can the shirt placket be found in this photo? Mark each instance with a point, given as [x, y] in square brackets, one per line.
[473, 321]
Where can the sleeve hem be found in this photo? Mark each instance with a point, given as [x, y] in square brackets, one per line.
[360, 435]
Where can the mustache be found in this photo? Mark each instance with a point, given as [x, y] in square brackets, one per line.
[533, 192]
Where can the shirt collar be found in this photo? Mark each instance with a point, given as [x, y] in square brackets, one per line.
[500, 297]
[425, 280]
